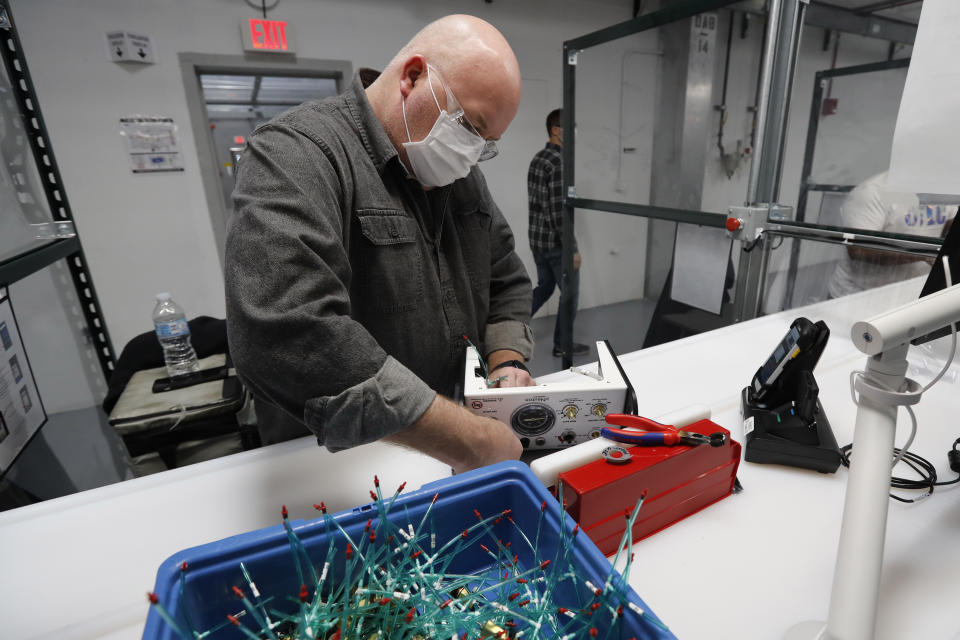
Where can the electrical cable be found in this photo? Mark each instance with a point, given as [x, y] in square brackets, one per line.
[722, 107]
[913, 417]
[921, 466]
[483, 364]
[263, 6]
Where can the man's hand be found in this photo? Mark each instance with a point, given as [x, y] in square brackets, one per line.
[576, 260]
[454, 435]
[514, 377]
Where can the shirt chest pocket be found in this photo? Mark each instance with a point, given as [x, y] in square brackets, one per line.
[473, 230]
[389, 262]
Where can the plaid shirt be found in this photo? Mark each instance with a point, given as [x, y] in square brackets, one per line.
[545, 198]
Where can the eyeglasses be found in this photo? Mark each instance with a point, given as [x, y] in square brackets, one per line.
[456, 112]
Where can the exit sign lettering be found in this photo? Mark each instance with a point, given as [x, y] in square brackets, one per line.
[266, 36]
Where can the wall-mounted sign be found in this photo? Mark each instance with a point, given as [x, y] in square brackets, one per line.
[123, 46]
[266, 36]
[152, 144]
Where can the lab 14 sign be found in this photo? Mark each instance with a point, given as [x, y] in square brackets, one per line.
[266, 36]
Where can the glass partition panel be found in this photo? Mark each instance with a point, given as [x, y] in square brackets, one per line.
[826, 270]
[22, 199]
[618, 303]
[858, 114]
[75, 449]
[848, 140]
[616, 102]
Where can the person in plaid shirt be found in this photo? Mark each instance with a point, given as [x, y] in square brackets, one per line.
[545, 198]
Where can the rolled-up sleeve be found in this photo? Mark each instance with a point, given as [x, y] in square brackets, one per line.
[287, 278]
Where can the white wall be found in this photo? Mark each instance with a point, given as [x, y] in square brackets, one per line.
[719, 191]
[852, 144]
[615, 110]
[149, 233]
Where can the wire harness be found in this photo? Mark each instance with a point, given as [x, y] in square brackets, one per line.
[397, 580]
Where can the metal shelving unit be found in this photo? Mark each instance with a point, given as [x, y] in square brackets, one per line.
[51, 252]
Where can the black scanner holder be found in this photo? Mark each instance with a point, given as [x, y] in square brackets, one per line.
[784, 422]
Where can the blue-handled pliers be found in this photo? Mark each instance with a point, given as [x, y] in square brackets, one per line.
[662, 434]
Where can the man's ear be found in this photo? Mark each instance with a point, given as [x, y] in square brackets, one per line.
[413, 69]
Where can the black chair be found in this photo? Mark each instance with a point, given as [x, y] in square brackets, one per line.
[209, 338]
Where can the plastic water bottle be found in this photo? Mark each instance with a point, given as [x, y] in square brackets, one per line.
[170, 322]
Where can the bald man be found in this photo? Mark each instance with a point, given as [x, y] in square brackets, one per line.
[364, 246]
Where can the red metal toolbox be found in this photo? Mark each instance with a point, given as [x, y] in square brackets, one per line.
[679, 480]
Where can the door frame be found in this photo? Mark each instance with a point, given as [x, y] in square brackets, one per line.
[192, 65]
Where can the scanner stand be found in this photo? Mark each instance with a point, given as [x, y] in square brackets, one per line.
[789, 425]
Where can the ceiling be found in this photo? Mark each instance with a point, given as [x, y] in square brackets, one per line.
[905, 10]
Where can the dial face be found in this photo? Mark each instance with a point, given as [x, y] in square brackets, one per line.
[532, 419]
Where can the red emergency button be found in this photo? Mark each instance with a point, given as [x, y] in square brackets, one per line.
[733, 224]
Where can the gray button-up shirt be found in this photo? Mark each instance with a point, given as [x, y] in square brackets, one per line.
[349, 287]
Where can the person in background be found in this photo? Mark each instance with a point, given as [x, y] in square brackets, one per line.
[871, 205]
[545, 200]
[365, 246]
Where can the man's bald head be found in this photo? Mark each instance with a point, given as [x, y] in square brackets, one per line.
[474, 60]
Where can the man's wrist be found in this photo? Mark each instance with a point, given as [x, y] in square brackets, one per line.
[517, 364]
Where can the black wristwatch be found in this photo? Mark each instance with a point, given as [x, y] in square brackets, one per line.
[511, 363]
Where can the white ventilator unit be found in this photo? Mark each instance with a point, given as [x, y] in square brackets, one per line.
[551, 415]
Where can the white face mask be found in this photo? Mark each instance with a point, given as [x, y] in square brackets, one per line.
[450, 149]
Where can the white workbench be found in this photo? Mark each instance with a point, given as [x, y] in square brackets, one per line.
[747, 567]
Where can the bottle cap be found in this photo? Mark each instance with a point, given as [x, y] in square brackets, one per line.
[163, 297]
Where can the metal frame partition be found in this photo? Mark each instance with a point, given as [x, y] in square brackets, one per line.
[823, 233]
[780, 49]
[820, 80]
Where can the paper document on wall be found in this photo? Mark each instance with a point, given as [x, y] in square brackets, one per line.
[700, 258]
[21, 412]
[926, 144]
[152, 144]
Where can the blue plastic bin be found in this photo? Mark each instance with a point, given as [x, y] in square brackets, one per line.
[214, 568]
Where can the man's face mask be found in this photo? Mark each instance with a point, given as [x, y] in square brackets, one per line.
[451, 148]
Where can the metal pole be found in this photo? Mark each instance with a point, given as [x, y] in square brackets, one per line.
[565, 313]
[766, 81]
[782, 44]
[812, 127]
[791, 26]
[856, 580]
[784, 22]
[762, 281]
